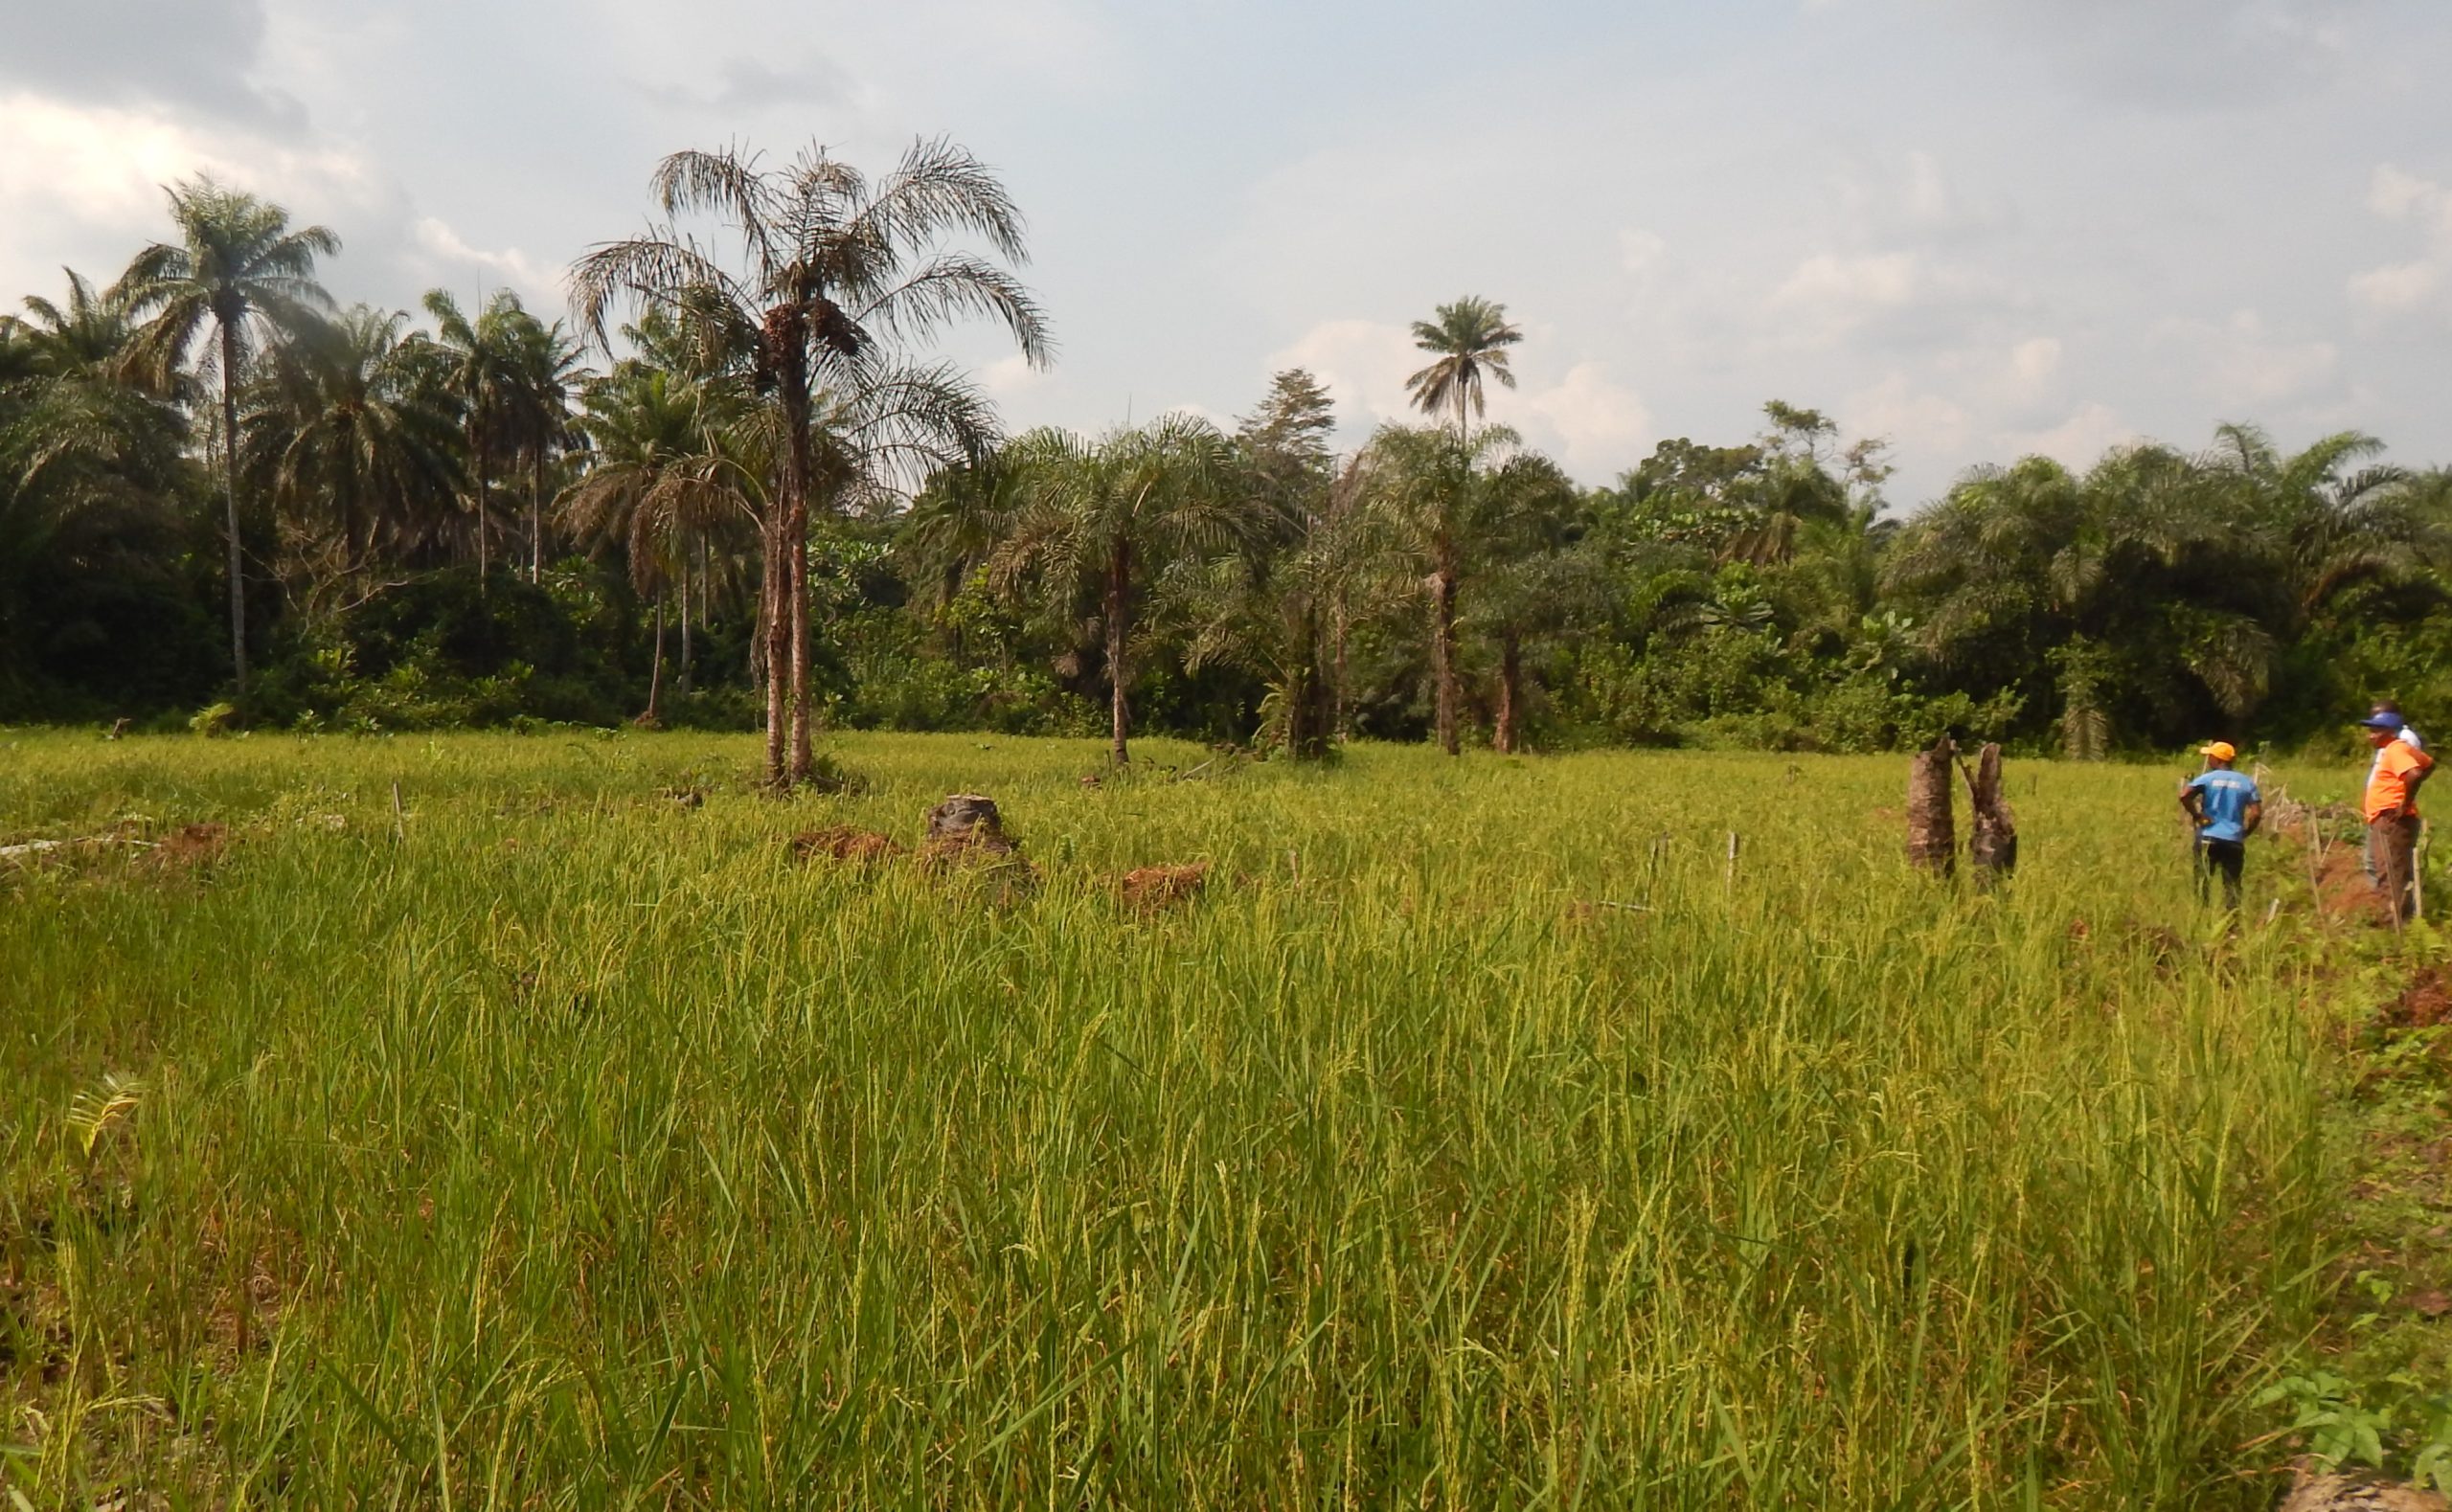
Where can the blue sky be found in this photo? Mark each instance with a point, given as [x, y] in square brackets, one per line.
[1979, 228]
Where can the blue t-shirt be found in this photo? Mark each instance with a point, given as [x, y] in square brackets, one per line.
[2223, 797]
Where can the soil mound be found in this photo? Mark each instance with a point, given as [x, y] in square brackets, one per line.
[2425, 1003]
[1146, 890]
[2343, 890]
[843, 842]
[190, 848]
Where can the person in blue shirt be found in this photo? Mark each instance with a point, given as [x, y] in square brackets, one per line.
[2226, 808]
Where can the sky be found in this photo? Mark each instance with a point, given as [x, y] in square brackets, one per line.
[1978, 228]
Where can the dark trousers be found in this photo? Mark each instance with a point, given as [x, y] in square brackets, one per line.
[2227, 858]
[2391, 846]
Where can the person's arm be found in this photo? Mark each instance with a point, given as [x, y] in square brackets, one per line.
[2251, 817]
[2193, 803]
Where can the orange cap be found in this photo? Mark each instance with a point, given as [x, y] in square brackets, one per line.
[2219, 750]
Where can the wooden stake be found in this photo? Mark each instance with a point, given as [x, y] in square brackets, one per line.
[1731, 858]
[2417, 871]
[400, 820]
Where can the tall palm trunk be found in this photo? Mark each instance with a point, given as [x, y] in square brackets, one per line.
[655, 676]
[795, 609]
[537, 522]
[485, 490]
[1442, 643]
[685, 623]
[774, 659]
[230, 503]
[1511, 692]
[1119, 582]
[1339, 721]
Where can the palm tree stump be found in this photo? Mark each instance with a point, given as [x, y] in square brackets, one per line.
[1932, 830]
[1993, 847]
[966, 826]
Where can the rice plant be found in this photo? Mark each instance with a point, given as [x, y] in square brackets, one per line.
[500, 1120]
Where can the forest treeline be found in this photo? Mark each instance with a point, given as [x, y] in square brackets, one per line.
[734, 487]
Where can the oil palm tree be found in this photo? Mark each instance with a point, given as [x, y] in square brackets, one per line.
[545, 371]
[1273, 609]
[2327, 518]
[89, 336]
[836, 272]
[353, 445]
[1103, 517]
[1469, 339]
[243, 270]
[662, 475]
[480, 368]
[1453, 506]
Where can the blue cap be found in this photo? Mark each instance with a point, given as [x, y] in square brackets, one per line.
[2386, 721]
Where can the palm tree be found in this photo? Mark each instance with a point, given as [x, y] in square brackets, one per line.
[89, 336]
[1469, 338]
[1537, 591]
[1272, 609]
[479, 369]
[346, 430]
[544, 371]
[660, 477]
[241, 267]
[2327, 518]
[1453, 502]
[1106, 516]
[835, 272]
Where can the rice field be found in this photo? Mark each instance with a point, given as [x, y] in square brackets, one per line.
[1482, 1136]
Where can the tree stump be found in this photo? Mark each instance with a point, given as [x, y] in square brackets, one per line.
[968, 845]
[966, 824]
[1995, 845]
[1931, 830]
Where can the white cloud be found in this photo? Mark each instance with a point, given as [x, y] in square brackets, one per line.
[1913, 419]
[439, 245]
[2424, 283]
[1598, 427]
[2079, 442]
[1364, 363]
[82, 184]
[1641, 253]
[2033, 362]
[2243, 367]
[1010, 376]
[1829, 296]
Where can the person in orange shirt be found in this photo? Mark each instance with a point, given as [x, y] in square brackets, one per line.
[2392, 811]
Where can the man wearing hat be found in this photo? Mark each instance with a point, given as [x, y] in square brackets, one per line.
[2392, 811]
[2226, 807]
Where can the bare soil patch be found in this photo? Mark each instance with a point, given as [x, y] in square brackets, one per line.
[1147, 889]
[844, 843]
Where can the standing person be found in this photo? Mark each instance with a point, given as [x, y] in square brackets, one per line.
[2408, 735]
[2226, 807]
[2392, 812]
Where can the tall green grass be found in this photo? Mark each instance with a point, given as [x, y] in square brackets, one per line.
[554, 1144]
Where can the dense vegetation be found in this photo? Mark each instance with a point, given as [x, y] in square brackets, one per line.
[479, 1120]
[225, 499]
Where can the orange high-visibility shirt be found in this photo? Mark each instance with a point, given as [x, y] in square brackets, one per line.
[2388, 784]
